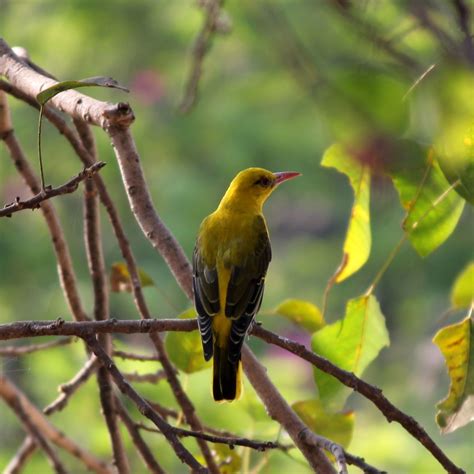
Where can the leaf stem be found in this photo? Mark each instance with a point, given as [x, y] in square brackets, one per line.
[40, 121]
[400, 243]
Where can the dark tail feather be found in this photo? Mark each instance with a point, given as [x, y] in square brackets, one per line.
[226, 382]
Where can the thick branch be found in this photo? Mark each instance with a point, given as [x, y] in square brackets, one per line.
[21, 329]
[280, 411]
[73, 103]
[143, 209]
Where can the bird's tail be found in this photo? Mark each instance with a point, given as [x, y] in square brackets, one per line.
[227, 378]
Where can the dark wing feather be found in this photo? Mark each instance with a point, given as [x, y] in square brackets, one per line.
[245, 290]
[206, 299]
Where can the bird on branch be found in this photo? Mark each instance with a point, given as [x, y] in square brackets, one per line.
[230, 260]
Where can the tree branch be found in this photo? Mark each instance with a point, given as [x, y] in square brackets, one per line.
[96, 264]
[27, 448]
[200, 48]
[15, 404]
[49, 192]
[374, 394]
[138, 441]
[66, 272]
[16, 351]
[67, 389]
[76, 105]
[145, 409]
[12, 394]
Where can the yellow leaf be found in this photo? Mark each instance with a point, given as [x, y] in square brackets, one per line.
[303, 313]
[336, 426]
[358, 238]
[456, 342]
[120, 280]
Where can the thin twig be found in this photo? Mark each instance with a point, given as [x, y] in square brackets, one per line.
[25, 451]
[96, 264]
[35, 433]
[16, 351]
[200, 48]
[335, 449]
[145, 378]
[68, 389]
[134, 356]
[464, 20]
[66, 272]
[9, 392]
[145, 452]
[48, 193]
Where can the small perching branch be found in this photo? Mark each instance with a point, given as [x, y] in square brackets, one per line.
[231, 441]
[59, 327]
[49, 192]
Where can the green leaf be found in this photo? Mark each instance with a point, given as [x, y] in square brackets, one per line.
[336, 426]
[99, 81]
[454, 140]
[121, 282]
[456, 342]
[462, 294]
[455, 151]
[185, 349]
[358, 238]
[352, 344]
[432, 215]
[303, 313]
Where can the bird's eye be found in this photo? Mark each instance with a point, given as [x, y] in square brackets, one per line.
[263, 181]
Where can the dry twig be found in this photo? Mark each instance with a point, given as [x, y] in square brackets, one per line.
[49, 192]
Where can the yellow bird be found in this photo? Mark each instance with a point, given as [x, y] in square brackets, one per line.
[230, 261]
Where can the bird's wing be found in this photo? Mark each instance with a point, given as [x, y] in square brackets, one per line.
[245, 290]
[206, 299]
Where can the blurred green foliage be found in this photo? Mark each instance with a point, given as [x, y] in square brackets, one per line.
[291, 78]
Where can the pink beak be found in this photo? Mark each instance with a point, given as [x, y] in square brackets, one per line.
[284, 176]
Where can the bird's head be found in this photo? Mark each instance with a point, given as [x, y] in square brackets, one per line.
[251, 187]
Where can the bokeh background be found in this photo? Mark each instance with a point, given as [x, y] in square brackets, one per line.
[286, 80]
